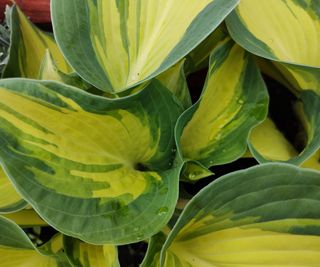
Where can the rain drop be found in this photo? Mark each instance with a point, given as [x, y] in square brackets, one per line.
[163, 210]
[163, 190]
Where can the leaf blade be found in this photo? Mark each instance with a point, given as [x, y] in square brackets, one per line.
[137, 30]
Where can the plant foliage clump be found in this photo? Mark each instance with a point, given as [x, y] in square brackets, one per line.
[111, 135]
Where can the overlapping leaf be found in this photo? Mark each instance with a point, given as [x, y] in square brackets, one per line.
[116, 45]
[198, 58]
[25, 218]
[10, 200]
[16, 249]
[83, 254]
[97, 169]
[175, 80]
[267, 143]
[313, 162]
[285, 31]
[267, 215]
[215, 130]
[50, 71]
[28, 46]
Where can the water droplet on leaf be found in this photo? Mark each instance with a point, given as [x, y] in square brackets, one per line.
[163, 210]
[163, 190]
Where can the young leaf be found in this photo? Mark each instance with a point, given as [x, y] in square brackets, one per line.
[267, 140]
[286, 32]
[267, 215]
[267, 143]
[85, 255]
[116, 45]
[96, 169]
[215, 130]
[10, 200]
[28, 46]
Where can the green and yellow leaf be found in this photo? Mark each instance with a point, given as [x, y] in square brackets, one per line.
[97, 169]
[193, 171]
[291, 38]
[268, 143]
[313, 162]
[152, 258]
[25, 218]
[49, 71]
[28, 48]
[10, 200]
[268, 215]
[16, 249]
[123, 43]
[82, 254]
[215, 130]
[271, 142]
[198, 58]
[175, 80]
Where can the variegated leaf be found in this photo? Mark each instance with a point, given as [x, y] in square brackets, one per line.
[116, 45]
[96, 169]
[267, 215]
[10, 199]
[16, 249]
[82, 254]
[50, 71]
[284, 31]
[26, 218]
[175, 80]
[198, 58]
[28, 48]
[267, 143]
[215, 130]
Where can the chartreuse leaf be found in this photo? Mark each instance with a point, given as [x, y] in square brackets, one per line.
[174, 79]
[268, 143]
[85, 255]
[28, 48]
[313, 162]
[215, 130]
[271, 142]
[96, 169]
[50, 71]
[268, 215]
[16, 249]
[116, 45]
[198, 58]
[10, 200]
[293, 25]
[26, 218]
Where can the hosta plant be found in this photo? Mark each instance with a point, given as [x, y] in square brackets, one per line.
[191, 127]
